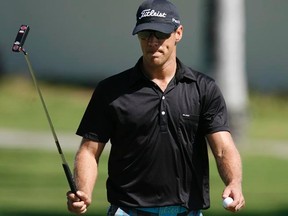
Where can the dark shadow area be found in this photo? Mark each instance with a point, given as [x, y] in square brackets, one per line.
[47, 213]
[279, 212]
[2, 71]
[60, 80]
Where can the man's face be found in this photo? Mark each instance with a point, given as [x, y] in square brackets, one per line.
[158, 50]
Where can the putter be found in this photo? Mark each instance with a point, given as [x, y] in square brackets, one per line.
[18, 47]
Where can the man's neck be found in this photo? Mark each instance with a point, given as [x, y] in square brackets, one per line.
[161, 75]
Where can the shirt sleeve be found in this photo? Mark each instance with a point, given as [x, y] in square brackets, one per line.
[96, 122]
[214, 110]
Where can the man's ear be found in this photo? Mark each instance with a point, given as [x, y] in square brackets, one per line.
[179, 33]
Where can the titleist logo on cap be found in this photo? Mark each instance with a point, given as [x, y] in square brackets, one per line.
[151, 13]
[157, 15]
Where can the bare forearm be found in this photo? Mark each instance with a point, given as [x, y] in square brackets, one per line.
[85, 174]
[85, 171]
[229, 166]
[227, 157]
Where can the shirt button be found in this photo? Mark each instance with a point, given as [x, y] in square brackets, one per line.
[163, 113]
[163, 97]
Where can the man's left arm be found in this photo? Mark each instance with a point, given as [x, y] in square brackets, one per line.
[229, 166]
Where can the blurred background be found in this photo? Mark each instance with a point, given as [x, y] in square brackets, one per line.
[74, 44]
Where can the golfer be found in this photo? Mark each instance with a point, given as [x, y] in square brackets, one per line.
[157, 116]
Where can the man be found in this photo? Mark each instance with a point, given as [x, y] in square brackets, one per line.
[157, 116]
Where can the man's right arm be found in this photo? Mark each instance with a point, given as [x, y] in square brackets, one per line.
[85, 174]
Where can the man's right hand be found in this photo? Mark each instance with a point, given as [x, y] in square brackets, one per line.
[77, 203]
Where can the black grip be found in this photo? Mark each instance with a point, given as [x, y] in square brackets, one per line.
[69, 178]
[20, 38]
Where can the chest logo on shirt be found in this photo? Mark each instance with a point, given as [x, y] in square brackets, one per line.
[185, 115]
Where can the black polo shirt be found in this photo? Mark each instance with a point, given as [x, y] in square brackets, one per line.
[158, 150]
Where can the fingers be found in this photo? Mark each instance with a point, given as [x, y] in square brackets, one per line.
[236, 205]
[77, 203]
[238, 199]
[77, 207]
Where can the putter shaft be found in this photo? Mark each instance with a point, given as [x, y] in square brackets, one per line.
[64, 162]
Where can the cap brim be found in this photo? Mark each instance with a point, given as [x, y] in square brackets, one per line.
[161, 27]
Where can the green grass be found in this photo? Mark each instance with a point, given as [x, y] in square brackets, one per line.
[264, 186]
[268, 117]
[33, 183]
[21, 107]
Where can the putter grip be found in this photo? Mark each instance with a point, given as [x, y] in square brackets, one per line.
[69, 178]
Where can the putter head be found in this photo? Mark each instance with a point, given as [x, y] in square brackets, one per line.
[20, 38]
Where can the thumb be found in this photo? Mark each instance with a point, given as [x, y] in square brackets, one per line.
[83, 197]
[226, 193]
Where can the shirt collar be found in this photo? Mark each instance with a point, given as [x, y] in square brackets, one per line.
[183, 72]
[136, 73]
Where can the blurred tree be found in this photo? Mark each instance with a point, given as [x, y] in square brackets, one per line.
[226, 41]
[1, 66]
